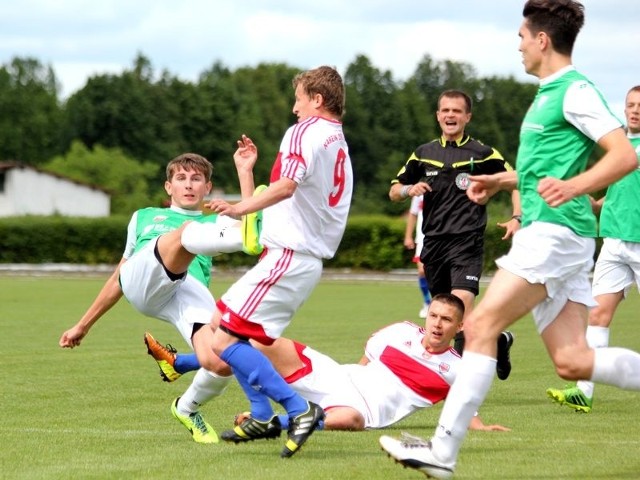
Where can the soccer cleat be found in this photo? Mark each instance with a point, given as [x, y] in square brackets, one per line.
[251, 228]
[423, 311]
[165, 357]
[200, 430]
[414, 452]
[301, 428]
[572, 397]
[503, 367]
[248, 429]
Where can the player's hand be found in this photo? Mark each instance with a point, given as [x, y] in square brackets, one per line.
[511, 227]
[72, 337]
[482, 188]
[409, 243]
[555, 191]
[223, 208]
[495, 428]
[420, 188]
[246, 155]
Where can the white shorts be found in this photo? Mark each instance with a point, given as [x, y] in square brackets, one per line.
[181, 302]
[371, 389]
[617, 267]
[261, 304]
[324, 379]
[556, 257]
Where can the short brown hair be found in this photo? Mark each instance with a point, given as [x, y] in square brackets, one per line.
[327, 82]
[190, 161]
[561, 20]
[450, 299]
[634, 89]
[457, 94]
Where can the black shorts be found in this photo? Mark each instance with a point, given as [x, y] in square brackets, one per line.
[453, 262]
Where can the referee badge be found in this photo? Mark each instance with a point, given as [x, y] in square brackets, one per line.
[462, 181]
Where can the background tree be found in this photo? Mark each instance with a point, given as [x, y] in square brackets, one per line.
[131, 183]
[149, 118]
[30, 115]
[129, 112]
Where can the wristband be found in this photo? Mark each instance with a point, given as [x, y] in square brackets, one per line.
[518, 218]
[404, 193]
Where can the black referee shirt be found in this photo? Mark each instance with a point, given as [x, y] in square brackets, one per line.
[445, 166]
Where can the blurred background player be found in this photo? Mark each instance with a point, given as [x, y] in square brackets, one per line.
[413, 238]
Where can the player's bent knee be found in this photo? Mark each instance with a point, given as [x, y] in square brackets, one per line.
[343, 418]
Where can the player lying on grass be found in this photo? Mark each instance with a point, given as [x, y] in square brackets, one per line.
[405, 368]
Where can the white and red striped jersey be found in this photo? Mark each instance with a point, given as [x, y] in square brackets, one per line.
[408, 377]
[400, 378]
[315, 155]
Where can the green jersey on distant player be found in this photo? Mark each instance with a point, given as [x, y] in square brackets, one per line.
[567, 116]
[149, 223]
[620, 215]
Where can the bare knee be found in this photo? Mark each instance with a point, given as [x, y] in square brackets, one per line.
[202, 341]
[600, 317]
[343, 418]
[574, 364]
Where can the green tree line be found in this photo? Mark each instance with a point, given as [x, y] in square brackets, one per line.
[119, 131]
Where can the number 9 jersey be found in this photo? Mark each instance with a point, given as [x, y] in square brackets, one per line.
[315, 155]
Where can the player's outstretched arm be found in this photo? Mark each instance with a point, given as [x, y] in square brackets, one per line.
[107, 298]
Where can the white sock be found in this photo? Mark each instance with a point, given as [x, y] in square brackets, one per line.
[597, 337]
[204, 386]
[212, 239]
[474, 378]
[619, 367]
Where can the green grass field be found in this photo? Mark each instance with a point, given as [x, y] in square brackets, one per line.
[100, 411]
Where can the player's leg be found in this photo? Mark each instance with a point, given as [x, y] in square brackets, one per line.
[225, 235]
[186, 408]
[190, 311]
[264, 319]
[575, 360]
[466, 264]
[423, 285]
[501, 305]
[613, 276]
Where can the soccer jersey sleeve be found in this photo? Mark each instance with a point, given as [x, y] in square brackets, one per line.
[585, 108]
[130, 244]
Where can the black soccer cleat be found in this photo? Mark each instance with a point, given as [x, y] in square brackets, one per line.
[301, 428]
[251, 429]
[503, 366]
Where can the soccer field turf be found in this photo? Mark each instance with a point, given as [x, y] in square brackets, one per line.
[100, 411]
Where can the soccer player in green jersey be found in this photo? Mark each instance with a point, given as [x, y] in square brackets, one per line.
[166, 267]
[546, 271]
[618, 264]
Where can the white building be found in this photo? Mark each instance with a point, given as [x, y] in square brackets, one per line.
[26, 190]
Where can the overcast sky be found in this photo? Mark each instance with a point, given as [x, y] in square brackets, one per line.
[79, 38]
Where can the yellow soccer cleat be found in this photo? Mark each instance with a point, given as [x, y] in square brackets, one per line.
[572, 397]
[251, 228]
[200, 430]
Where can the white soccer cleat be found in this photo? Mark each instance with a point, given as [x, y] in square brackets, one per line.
[424, 311]
[414, 452]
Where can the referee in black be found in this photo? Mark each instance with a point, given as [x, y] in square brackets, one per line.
[453, 225]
